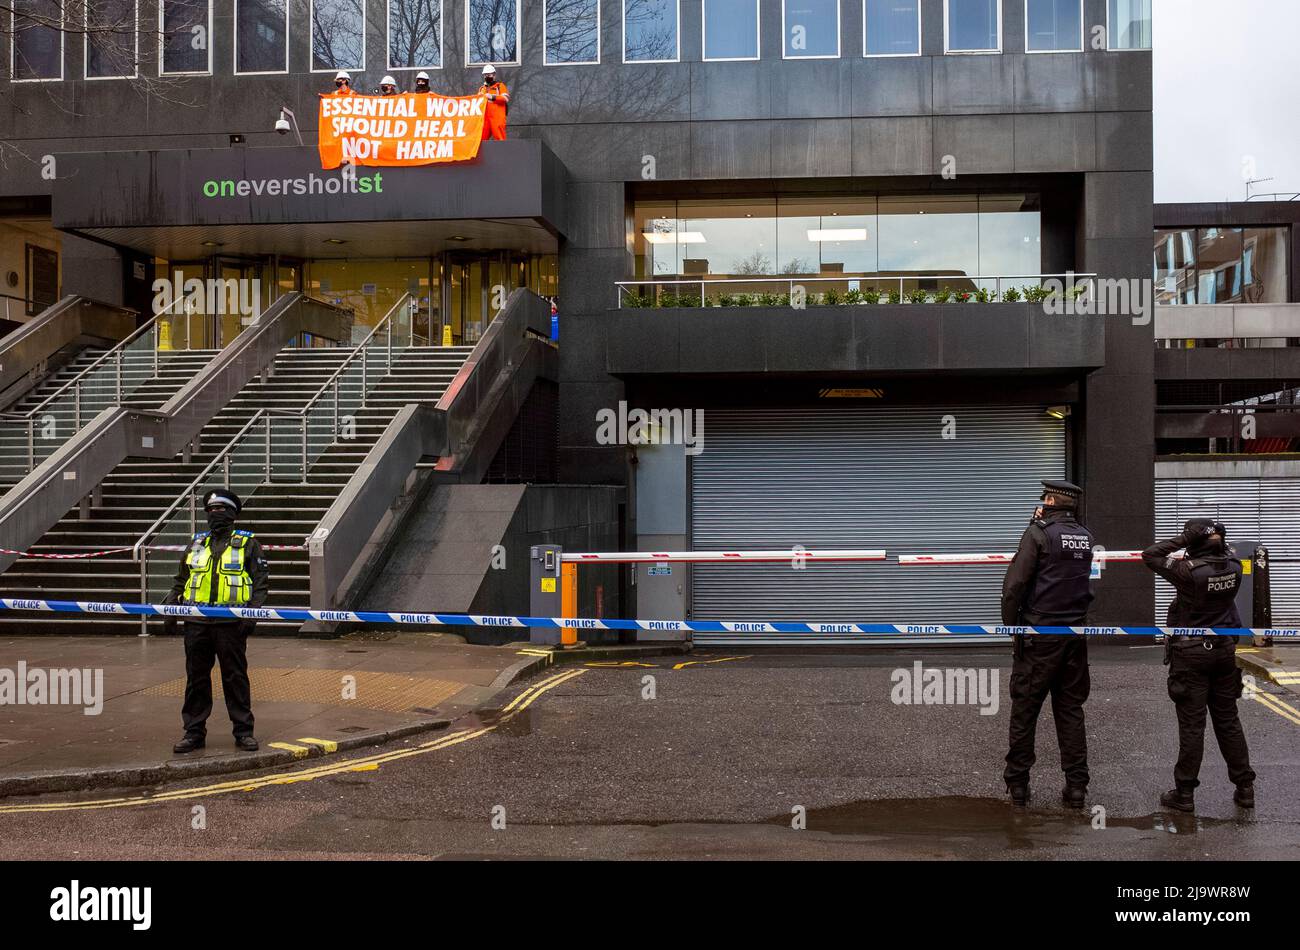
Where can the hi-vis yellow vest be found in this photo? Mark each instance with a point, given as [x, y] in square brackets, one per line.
[234, 585]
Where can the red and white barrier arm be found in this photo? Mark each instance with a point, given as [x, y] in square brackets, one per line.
[1098, 555]
[720, 557]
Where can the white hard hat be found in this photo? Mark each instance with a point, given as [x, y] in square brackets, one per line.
[342, 74]
[388, 81]
[489, 70]
[422, 75]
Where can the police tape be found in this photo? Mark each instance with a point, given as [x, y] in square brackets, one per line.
[81, 555]
[181, 611]
[66, 557]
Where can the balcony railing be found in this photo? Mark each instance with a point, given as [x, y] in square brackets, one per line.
[848, 290]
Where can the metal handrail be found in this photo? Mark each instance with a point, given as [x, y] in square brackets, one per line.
[118, 349]
[360, 350]
[902, 279]
[188, 491]
[301, 413]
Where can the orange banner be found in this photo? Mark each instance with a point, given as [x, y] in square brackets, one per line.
[411, 129]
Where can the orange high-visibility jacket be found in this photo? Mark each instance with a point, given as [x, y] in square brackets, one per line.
[494, 122]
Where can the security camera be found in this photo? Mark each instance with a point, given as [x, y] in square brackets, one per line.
[282, 125]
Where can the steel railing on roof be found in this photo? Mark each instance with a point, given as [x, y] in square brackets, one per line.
[992, 285]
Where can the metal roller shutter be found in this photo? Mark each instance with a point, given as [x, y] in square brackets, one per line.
[865, 478]
[1262, 508]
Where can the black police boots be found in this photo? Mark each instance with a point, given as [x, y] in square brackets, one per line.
[1073, 795]
[246, 743]
[188, 744]
[1019, 795]
[1245, 795]
[1179, 799]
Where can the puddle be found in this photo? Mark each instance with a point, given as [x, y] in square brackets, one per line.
[964, 817]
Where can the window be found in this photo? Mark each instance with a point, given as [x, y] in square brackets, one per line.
[338, 35]
[1128, 24]
[1175, 266]
[731, 29]
[110, 39]
[414, 34]
[812, 28]
[492, 32]
[929, 241]
[261, 36]
[891, 28]
[1221, 265]
[37, 42]
[184, 37]
[972, 26]
[571, 30]
[650, 31]
[1054, 26]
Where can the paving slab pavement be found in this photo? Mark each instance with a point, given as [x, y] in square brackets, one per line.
[361, 689]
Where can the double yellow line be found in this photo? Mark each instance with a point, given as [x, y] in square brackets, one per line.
[360, 764]
[1283, 709]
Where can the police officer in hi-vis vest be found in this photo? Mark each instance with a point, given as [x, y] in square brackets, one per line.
[1047, 585]
[1203, 670]
[223, 567]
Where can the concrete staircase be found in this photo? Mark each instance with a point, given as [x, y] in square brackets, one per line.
[143, 390]
[279, 513]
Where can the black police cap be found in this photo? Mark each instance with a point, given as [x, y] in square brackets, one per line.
[223, 496]
[1204, 527]
[1063, 489]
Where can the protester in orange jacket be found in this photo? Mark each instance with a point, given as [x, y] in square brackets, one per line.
[498, 104]
[342, 84]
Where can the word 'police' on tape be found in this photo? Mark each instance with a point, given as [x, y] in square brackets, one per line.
[586, 623]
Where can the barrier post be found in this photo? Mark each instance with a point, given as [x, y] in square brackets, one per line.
[569, 602]
[1262, 618]
[544, 593]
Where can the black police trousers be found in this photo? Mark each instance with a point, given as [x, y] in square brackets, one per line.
[1056, 666]
[1201, 678]
[228, 644]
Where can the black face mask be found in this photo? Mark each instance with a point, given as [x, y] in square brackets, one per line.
[221, 520]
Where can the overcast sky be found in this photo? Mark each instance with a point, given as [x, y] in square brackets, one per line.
[1227, 88]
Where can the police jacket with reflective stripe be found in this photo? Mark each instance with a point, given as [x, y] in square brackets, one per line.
[1207, 587]
[223, 578]
[1048, 582]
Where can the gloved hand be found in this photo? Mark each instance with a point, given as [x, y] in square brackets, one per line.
[246, 627]
[169, 626]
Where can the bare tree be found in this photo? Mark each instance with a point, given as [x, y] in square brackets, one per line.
[650, 28]
[338, 29]
[493, 30]
[572, 34]
[415, 33]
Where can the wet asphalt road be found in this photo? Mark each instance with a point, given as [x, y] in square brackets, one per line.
[718, 765]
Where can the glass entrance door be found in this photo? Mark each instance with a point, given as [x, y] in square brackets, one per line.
[240, 297]
[475, 289]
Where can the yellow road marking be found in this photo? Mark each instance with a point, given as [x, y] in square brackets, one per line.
[329, 745]
[616, 664]
[1274, 704]
[533, 652]
[362, 763]
[721, 659]
[299, 751]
